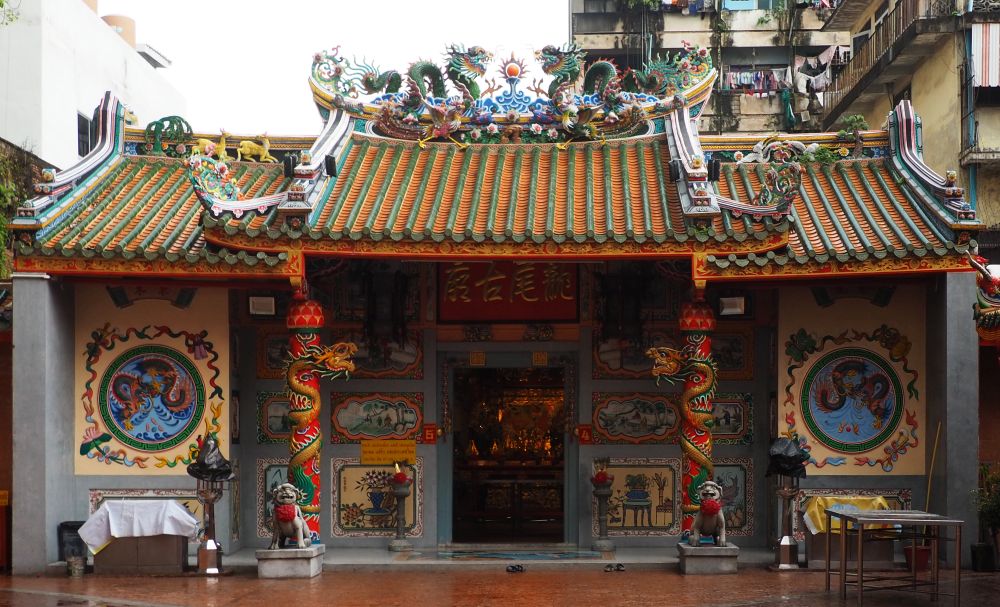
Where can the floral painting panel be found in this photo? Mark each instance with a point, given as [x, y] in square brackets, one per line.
[363, 503]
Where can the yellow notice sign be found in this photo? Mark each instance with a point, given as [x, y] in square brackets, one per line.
[386, 452]
[4, 498]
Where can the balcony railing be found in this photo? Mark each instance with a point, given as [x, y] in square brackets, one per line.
[881, 40]
[894, 26]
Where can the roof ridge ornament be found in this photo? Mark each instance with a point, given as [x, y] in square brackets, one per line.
[219, 192]
[111, 116]
[446, 103]
[905, 141]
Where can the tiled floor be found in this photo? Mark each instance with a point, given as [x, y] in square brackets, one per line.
[378, 578]
[576, 586]
[337, 559]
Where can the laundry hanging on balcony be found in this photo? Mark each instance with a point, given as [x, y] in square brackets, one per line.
[986, 54]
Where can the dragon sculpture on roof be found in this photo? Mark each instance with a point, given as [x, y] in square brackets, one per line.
[986, 311]
[450, 103]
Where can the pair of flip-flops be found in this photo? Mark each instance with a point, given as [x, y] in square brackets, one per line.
[617, 567]
[515, 568]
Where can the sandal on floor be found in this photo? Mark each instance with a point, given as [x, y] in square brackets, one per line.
[609, 568]
[515, 568]
[619, 567]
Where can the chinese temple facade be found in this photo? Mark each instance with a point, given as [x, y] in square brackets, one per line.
[497, 279]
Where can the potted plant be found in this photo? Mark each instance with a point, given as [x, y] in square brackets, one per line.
[987, 499]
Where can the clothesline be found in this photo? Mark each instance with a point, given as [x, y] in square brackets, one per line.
[757, 82]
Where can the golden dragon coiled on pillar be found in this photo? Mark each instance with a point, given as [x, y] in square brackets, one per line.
[308, 363]
[694, 366]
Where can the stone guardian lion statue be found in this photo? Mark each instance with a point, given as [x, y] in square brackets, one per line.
[288, 521]
[710, 520]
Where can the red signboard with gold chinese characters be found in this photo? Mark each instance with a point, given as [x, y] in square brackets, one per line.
[507, 291]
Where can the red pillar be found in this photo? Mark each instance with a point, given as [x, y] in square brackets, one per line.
[697, 324]
[305, 319]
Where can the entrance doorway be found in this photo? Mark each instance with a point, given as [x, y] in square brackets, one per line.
[509, 428]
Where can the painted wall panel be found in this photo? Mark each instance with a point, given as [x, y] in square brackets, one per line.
[151, 378]
[851, 378]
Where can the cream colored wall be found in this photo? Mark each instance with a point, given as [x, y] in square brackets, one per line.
[95, 312]
[988, 194]
[937, 99]
[988, 119]
[864, 20]
[878, 114]
[935, 90]
[895, 333]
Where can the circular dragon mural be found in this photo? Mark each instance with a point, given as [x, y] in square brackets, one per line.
[852, 400]
[152, 398]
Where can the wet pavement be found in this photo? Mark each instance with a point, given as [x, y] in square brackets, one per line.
[579, 586]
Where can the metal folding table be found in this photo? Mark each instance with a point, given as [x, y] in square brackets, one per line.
[891, 525]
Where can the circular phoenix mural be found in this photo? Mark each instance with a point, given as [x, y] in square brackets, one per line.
[152, 398]
[852, 400]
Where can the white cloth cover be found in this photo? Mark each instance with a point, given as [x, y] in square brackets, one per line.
[136, 518]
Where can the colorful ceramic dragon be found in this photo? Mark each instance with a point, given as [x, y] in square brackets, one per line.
[463, 67]
[986, 311]
[563, 63]
[309, 362]
[695, 367]
[373, 81]
[598, 75]
[664, 75]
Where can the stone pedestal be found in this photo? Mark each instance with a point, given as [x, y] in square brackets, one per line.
[400, 491]
[707, 560]
[602, 491]
[288, 563]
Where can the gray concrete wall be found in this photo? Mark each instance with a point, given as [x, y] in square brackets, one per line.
[953, 399]
[42, 418]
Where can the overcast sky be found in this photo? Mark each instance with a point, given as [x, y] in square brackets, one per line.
[244, 64]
